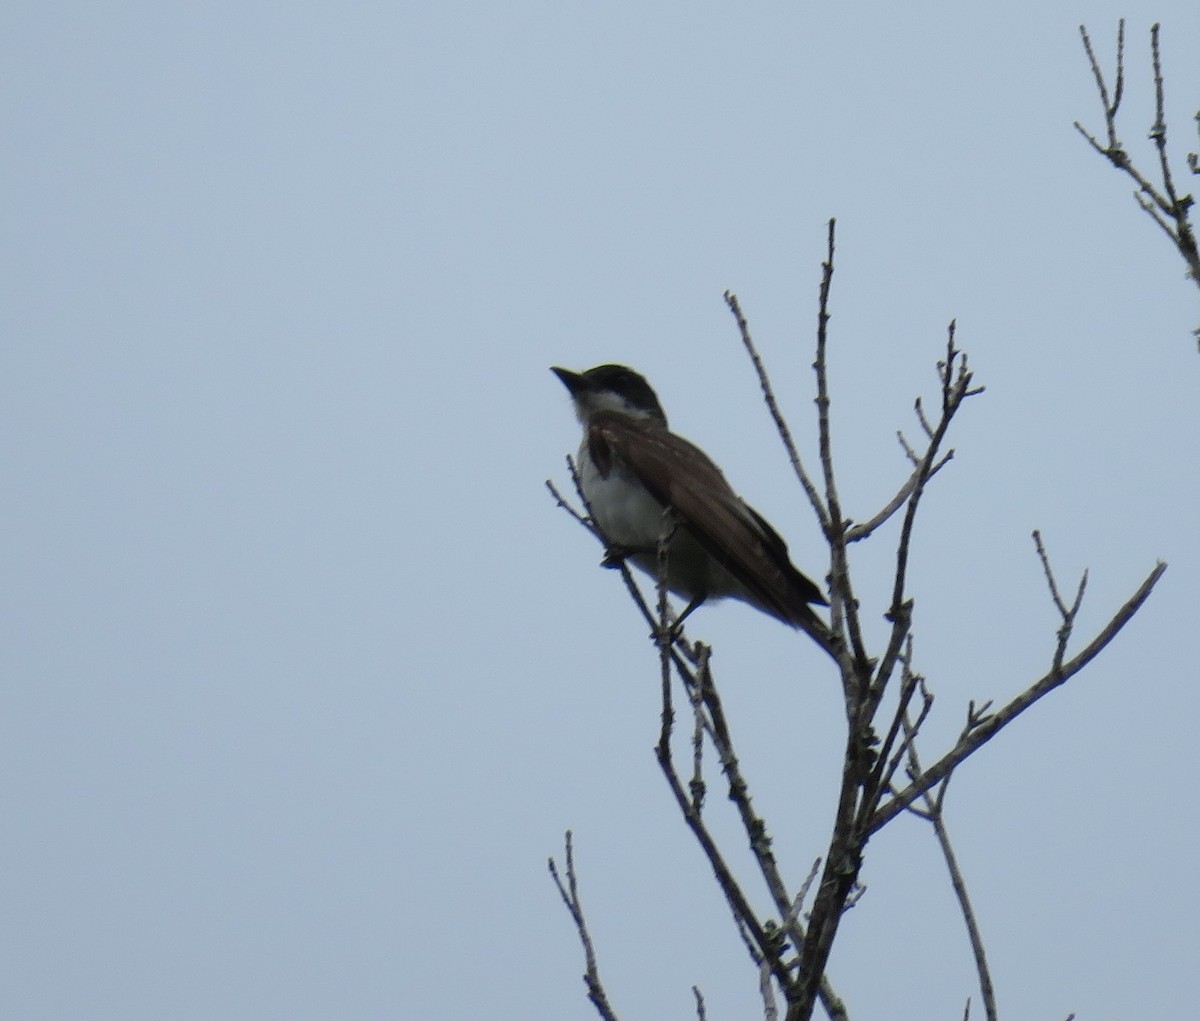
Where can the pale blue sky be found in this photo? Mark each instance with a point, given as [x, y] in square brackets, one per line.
[304, 676]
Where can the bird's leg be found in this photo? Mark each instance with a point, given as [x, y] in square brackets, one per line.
[693, 605]
[674, 632]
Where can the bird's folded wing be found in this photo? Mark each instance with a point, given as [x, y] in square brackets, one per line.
[681, 476]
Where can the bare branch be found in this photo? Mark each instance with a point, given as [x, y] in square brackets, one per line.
[888, 762]
[861, 531]
[820, 366]
[908, 450]
[834, 1008]
[973, 740]
[1110, 109]
[739, 904]
[760, 939]
[1041, 552]
[767, 991]
[919, 408]
[698, 787]
[663, 634]
[1163, 204]
[1068, 613]
[739, 793]
[845, 606]
[861, 768]
[570, 897]
[1150, 207]
[781, 425]
[934, 813]
[763, 941]
[562, 502]
[1193, 158]
[956, 387]
[701, 1014]
[1158, 130]
[802, 893]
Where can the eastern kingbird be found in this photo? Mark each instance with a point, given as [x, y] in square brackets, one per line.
[633, 469]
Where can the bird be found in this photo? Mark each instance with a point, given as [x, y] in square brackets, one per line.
[643, 483]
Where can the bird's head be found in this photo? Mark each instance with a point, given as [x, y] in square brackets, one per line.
[611, 388]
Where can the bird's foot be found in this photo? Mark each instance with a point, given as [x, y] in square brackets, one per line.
[616, 555]
[669, 635]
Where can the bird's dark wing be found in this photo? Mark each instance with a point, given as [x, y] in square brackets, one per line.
[681, 476]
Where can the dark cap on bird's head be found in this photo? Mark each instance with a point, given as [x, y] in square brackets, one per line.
[611, 388]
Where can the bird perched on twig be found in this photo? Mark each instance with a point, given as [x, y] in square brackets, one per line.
[643, 483]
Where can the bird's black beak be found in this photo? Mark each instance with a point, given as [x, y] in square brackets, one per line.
[573, 381]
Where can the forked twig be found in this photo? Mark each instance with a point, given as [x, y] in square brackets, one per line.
[785, 434]
[1068, 613]
[934, 813]
[569, 891]
[864, 530]
[989, 726]
[1162, 203]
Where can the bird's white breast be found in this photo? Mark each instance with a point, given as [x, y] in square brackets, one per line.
[630, 516]
[625, 511]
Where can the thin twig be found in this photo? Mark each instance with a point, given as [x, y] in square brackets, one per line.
[841, 590]
[934, 812]
[1193, 158]
[988, 728]
[757, 936]
[926, 706]
[587, 521]
[758, 941]
[835, 1008]
[838, 878]
[1168, 209]
[739, 904]
[565, 505]
[919, 408]
[781, 426]
[662, 628]
[697, 785]
[861, 768]
[955, 378]
[1068, 613]
[1158, 130]
[1110, 109]
[863, 530]
[570, 896]
[739, 793]
[887, 761]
